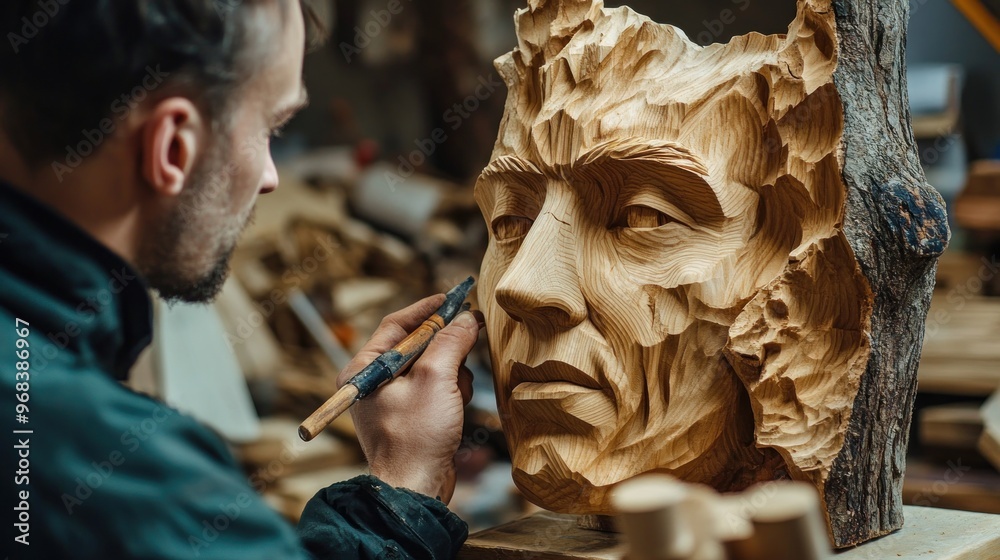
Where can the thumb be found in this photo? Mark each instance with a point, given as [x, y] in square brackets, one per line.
[449, 348]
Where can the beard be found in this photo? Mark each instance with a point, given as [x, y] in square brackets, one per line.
[185, 258]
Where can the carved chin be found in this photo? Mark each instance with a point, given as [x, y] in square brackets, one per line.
[545, 478]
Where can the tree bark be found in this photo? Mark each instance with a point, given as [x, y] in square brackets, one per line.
[897, 226]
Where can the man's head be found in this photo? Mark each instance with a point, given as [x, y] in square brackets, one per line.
[174, 101]
[667, 285]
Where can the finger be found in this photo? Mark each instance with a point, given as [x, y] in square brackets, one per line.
[465, 378]
[393, 329]
[480, 317]
[448, 349]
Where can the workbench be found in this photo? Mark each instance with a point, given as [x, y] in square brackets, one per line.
[928, 534]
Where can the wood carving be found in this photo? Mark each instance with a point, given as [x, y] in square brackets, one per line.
[670, 283]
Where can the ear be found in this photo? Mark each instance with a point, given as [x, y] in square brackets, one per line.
[173, 138]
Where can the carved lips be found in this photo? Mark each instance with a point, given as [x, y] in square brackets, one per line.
[551, 372]
[558, 398]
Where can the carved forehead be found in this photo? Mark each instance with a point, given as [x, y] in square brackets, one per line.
[583, 75]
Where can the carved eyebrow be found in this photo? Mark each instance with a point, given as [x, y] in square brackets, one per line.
[660, 161]
[510, 170]
[510, 164]
[666, 162]
[664, 153]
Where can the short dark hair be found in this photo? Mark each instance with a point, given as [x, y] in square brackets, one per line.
[69, 65]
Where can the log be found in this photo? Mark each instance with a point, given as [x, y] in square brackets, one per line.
[711, 262]
[897, 227]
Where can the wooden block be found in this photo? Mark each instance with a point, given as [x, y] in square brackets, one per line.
[953, 484]
[954, 271]
[660, 520]
[978, 207]
[951, 425]
[960, 354]
[256, 349]
[291, 493]
[543, 536]
[789, 525]
[928, 534]
[989, 441]
[280, 443]
[978, 212]
[353, 296]
[295, 200]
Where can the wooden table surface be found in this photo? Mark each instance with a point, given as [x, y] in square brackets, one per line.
[928, 534]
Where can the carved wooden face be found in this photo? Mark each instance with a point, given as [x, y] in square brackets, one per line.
[660, 216]
[598, 311]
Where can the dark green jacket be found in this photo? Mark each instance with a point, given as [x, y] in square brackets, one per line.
[109, 474]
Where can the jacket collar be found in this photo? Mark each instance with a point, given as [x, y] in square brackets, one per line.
[79, 297]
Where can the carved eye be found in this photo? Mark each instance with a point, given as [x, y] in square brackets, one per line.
[506, 228]
[642, 217]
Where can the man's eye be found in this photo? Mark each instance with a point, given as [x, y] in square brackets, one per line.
[642, 217]
[511, 227]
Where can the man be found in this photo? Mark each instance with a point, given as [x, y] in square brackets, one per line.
[133, 145]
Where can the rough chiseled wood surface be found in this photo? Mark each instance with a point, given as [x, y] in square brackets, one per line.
[714, 262]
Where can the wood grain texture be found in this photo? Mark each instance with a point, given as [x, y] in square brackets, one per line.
[338, 404]
[693, 249]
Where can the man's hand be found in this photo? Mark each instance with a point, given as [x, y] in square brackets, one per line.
[411, 428]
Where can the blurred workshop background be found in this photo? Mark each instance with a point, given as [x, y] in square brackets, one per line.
[376, 210]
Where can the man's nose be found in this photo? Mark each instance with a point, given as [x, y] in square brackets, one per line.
[542, 285]
[269, 180]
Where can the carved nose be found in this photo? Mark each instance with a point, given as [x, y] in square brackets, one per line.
[542, 301]
[542, 285]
